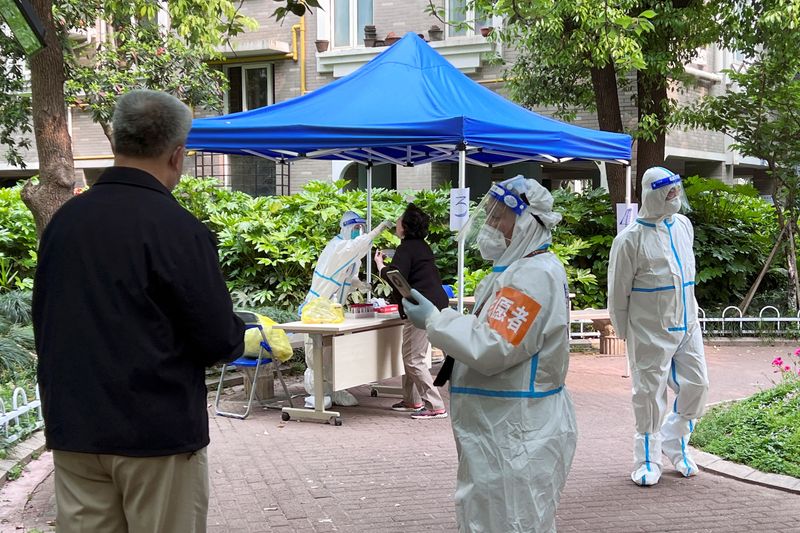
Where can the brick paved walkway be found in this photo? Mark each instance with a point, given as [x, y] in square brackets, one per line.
[382, 471]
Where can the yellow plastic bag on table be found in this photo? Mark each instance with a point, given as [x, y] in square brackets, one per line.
[322, 311]
[277, 339]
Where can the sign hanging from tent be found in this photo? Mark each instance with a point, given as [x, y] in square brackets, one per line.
[626, 215]
[459, 208]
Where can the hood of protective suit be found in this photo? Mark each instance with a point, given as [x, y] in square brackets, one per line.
[352, 226]
[655, 205]
[529, 234]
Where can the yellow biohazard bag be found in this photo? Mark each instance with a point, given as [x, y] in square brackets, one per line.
[277, 339]
[322, 311]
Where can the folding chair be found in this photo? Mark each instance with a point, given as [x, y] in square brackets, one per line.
[264, 358]
[449, 291]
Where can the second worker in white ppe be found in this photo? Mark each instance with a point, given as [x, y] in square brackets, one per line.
[513, 420]
[335, 276]
[651, 277]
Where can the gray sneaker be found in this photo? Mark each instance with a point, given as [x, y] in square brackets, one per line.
[403, 408]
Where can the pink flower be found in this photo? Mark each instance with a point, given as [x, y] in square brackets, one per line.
[797, 352]
[787, 368]
[778, 361]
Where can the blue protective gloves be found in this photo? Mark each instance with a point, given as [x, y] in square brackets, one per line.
[418, 313]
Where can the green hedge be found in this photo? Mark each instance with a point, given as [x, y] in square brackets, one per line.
[268, 245]
[18, 241]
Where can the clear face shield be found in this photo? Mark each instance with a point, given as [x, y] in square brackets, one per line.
[670, 191]
[352, 226]
[489, 229]
[352, 231]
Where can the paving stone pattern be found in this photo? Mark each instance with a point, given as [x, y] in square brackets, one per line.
[383, 472]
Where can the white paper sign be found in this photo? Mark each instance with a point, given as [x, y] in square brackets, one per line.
[459, 208]
[626, 215]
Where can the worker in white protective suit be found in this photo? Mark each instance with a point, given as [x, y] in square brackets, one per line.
[513, 420]
[335, 276]
[651, 277]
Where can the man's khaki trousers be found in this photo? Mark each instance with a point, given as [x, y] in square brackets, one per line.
[116, 494]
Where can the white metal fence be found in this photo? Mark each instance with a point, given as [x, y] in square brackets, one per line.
[768, 323]
[25, 416]
[731, 323]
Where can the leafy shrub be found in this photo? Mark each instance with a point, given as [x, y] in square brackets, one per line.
[582, 241]
[16, 335]
[18, 241]
[735, 230]
[268, 246]
[762, 431]
[15, 306]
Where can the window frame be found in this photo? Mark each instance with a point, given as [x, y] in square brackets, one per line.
[245, 66]
[469, 17]
[352, 23]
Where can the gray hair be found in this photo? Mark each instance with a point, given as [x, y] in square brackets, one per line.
[149, 123]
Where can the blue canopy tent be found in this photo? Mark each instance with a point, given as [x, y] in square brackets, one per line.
[407, 106]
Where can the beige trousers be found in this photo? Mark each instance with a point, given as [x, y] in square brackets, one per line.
[116, 494]
[417, 382]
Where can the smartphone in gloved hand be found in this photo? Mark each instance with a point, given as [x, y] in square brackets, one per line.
[399, 283]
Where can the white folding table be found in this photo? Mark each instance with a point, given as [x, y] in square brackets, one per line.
[363, 350]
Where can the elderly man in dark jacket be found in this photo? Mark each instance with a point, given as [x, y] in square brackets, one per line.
[129, 308]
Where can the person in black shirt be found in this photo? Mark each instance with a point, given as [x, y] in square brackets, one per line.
[129, 307]
[414, 259]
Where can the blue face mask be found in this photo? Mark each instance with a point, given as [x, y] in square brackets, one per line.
[355, 233]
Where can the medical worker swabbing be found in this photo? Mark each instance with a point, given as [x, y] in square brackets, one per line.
[335, 276]
[513, 420]
[651, 276]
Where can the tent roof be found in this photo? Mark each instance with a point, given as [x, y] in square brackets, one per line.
[406, 106]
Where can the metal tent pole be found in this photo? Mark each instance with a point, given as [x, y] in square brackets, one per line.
[628, 186]
[369, 227]
[462, 180]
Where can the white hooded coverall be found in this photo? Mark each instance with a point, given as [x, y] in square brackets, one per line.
[335, 276]
[513, 420]
[651, 278]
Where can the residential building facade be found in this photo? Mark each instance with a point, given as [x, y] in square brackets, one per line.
[280, 61]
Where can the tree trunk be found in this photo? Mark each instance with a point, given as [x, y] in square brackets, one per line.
[109, 133]
[609, 118]
[754, 288]
[791, 252]
[53, 143]
[652, 100]
[785, 224]
[791, 256]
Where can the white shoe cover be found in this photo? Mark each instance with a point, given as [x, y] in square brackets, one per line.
[676, 452]
[344, 398]
[644, 477]
[310, 403]
[647, 459]
[676, 431]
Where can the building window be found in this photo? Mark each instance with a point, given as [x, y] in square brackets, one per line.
[249, 87]
[457, 11]
[254, 175]
[348, 18]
